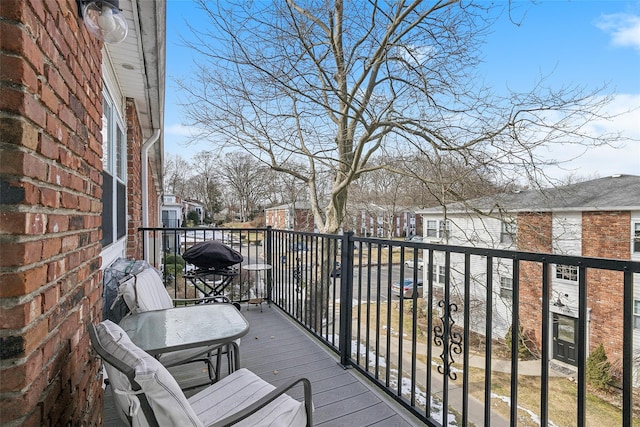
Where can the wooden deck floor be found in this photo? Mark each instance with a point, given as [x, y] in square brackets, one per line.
[276, 349]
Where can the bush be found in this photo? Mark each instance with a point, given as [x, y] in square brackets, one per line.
[523, 352]
[598, 369]
[174, 259]
[193, 217]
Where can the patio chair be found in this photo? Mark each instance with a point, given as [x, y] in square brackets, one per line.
[145, 291]
[145, 393]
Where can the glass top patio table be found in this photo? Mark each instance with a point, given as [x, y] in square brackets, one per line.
[162, 331]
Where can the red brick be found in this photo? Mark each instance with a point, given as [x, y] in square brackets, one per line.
[57, 223]
[18, 132]
[55, 269]
[56, 83]
[50, 298]
[16, 376]
[22, 283]
[22, 404]
[31, 193]
[19, 316]
[51, 247]
[48, 148]
[17, 71]
[13, 222]
[50, 198]
[19, 254]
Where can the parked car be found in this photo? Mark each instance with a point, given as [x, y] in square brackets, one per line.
[414, 238]
[411, 264]
[407, 288]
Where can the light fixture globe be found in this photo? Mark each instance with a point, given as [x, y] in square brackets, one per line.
[104, 20]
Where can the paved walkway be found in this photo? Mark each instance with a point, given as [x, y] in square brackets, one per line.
[525, 367]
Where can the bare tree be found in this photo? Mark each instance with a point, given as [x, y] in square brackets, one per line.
[176, 174]
[331, 84]
[204, 185]
[383, 195]
[283, 188]
[246, 179]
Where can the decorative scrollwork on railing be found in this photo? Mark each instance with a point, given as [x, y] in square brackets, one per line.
[453, 339]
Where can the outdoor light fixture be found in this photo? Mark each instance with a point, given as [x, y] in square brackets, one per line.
[103, 19]
[558, 302]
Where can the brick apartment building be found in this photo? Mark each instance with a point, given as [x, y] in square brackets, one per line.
[365, 221]
[290, 216]
[80, 171]
[597, 218]
[383, 221]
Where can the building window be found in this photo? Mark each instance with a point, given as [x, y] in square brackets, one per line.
[508, 232]
[114, 185]
[567, 272]
[439, 274]
[432, 228]
[636, 314]
[636, 237]
[506, 287]
[444, 229]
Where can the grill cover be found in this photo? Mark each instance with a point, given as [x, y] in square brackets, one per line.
[212, 255]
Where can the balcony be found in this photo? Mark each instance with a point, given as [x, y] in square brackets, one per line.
[440, 345]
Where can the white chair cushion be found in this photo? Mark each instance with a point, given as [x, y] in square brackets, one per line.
[145, 292]
[239, 390]
[167, 400]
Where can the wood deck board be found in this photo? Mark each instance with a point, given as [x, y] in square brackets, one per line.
[277, 350]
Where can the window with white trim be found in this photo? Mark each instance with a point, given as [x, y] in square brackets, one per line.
[567, 272]
[508, 232]
[114, 180]
[636, 237]
[432, 228]
[636, 314]
[439, 274]
[506, 287]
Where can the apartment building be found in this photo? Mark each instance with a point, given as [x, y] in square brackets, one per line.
[597, 218]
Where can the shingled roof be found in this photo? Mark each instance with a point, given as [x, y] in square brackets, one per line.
[617, 192]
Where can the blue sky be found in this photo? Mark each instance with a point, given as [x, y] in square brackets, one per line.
[584, 42]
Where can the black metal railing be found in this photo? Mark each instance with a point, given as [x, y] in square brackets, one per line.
[417, 343]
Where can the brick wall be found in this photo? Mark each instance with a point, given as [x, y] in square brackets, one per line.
[154, 200]
[50, 173]
[606, 235]
[303, 220]
[533, 235]
[134, 185]
[275, 218]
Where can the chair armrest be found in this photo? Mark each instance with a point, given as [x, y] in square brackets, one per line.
[268, 398]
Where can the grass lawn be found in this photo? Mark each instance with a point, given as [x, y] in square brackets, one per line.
[562, 405]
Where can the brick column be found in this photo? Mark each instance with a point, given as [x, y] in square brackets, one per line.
[534, 235]
[50, 176]
[606, 235]
[134, 185]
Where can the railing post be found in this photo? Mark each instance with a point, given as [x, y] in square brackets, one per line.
[269, 259]
[346, 296]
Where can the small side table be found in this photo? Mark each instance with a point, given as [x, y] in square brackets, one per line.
[258, 297]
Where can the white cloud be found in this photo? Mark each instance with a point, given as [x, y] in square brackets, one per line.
[179, 130]
[623, 28]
